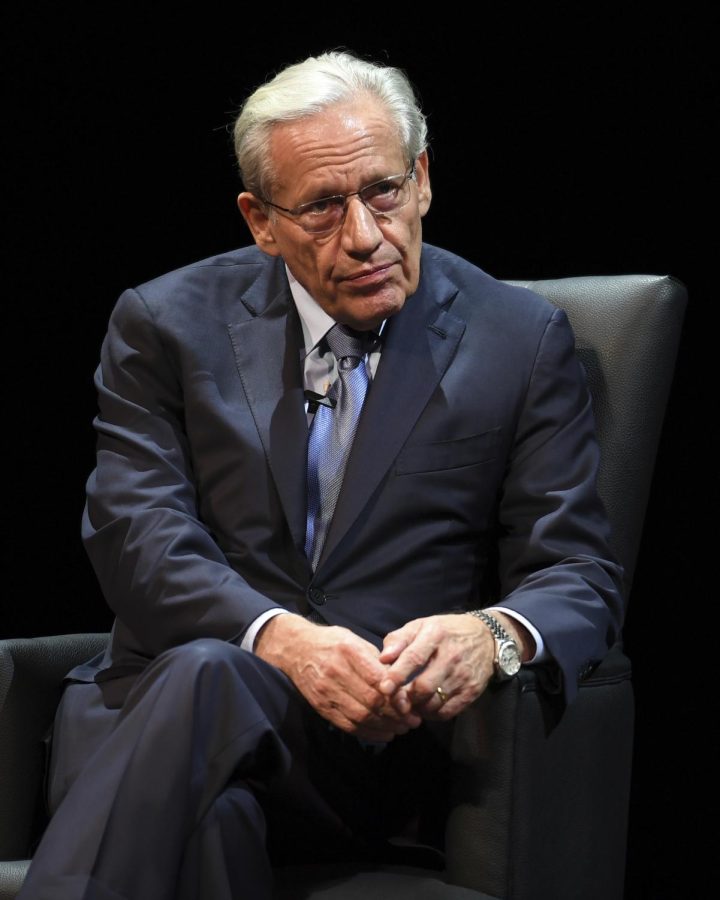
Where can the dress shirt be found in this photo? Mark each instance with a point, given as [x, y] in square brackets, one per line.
[320, 372]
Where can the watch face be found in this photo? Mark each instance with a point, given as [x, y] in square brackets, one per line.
[509, 658]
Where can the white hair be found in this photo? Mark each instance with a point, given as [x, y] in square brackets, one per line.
[306, 88]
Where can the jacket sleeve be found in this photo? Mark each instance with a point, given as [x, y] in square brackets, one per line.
[556, 567]
[159, 565]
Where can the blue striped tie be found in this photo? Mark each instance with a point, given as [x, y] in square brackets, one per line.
[332, 433]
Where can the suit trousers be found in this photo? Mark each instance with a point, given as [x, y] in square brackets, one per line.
[212, 771]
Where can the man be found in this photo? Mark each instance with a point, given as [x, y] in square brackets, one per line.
[319, 459]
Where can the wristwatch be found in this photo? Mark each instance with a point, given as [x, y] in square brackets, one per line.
[507, 654]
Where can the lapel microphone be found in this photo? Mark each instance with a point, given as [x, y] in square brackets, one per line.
[314, 400]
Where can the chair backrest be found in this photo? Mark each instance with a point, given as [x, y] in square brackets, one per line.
[627, 330]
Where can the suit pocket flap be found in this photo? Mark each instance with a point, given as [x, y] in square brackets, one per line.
[466, 451]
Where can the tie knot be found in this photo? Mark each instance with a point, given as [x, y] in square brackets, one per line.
[348, 344]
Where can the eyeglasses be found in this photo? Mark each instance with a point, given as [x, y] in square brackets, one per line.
[382, 198]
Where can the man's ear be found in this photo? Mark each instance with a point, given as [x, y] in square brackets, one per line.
[258, 221]
[422, 177]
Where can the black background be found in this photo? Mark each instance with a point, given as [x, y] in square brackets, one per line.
[564, 142]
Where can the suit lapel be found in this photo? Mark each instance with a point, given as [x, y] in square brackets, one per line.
[417, 349]
[268, 348]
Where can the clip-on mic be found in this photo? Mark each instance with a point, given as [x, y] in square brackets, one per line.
[314, 400]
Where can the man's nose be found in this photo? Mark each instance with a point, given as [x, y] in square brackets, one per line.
[360, 231]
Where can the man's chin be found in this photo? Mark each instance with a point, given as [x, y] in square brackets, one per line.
[365, 311]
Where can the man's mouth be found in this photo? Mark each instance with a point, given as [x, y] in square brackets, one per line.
[370, 276]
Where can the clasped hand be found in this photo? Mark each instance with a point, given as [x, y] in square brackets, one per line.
[379, 694]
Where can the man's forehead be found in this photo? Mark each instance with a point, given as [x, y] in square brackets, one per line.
[341, 139]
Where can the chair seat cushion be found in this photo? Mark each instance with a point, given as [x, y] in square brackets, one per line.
[347, 882]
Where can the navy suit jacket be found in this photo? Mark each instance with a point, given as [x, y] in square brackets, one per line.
[471, 478]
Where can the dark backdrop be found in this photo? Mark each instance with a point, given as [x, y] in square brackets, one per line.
[563, 142]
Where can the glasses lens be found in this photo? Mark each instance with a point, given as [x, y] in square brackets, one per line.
[323, 215]
[387, 195]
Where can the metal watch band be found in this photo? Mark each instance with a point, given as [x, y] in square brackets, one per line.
[492, 623]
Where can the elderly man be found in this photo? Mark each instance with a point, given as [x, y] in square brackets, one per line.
[343, 480]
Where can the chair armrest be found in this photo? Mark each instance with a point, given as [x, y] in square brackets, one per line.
[541, 794]
[31, 677]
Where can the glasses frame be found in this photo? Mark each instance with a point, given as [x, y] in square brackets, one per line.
[298, 210]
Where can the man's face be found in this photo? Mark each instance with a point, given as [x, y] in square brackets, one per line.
[363, 272]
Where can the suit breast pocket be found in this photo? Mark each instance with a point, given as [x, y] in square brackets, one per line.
[455, 454]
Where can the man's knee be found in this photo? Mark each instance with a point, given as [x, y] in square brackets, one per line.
[211, 657]
[209, 673]
[194, 656]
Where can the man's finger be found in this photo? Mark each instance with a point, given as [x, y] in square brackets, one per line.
[412, 660]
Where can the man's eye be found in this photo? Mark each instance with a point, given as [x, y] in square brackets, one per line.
[323, 206]
[382, 195]
[382, 187]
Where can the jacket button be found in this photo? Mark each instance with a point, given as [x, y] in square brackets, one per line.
[317, 596]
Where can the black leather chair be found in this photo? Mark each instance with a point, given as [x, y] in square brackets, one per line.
[541, 794]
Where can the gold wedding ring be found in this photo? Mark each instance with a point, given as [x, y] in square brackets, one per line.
[442, 695]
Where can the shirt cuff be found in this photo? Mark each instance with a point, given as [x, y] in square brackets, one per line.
[248, 641]
[541, 654]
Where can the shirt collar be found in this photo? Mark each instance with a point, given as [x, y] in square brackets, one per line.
[315, 321]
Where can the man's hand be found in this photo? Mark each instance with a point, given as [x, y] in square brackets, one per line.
[452, 653]
[339, 674]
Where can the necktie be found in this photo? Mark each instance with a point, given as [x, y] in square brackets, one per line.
[332, 433]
